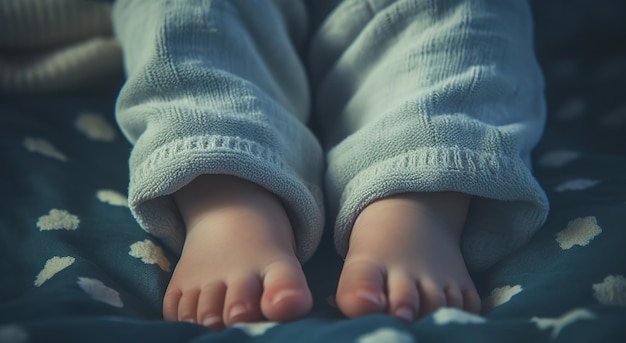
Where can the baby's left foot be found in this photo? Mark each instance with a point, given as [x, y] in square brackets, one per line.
[405, 259]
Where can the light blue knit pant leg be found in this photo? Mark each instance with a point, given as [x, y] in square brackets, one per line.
[217, 87]
[429, 96]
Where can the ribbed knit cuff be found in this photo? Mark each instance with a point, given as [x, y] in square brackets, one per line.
[507, 208]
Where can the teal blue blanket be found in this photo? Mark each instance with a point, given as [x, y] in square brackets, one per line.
[75, 266]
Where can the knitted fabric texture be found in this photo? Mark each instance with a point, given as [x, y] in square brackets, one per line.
[56, 45]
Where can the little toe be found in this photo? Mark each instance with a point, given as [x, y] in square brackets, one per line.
[211, 305]
[361, 289]
[170, 304]
[188, 305]
[242, 299]
[286, 293]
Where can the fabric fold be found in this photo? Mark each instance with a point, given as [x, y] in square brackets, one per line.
[217, 87]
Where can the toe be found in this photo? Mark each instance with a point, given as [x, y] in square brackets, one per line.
[211, 305]
[188, 305]
[170, 304]
[454, 297]
[286, 293]
[361, 289]
[403, 296]
[241, 303]
[432, 297]
[471, 300]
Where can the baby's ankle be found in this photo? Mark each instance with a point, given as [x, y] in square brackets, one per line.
[210, 195]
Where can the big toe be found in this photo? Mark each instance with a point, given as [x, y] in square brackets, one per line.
[286, 294]
[361, 289]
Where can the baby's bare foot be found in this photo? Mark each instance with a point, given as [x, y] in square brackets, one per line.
[404, 258]
[238, 263]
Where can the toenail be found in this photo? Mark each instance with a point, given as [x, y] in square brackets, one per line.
[282, 295]
[376, 299]
[209, 321]
[404, 313]
[237, 310]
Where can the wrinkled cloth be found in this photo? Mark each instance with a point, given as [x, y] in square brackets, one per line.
[328, 104]
[406, 96]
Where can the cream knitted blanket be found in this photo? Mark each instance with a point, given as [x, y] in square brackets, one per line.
[56, 45]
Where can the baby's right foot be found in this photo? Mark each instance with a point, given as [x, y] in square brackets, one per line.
[238, 262]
